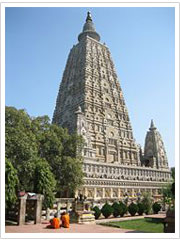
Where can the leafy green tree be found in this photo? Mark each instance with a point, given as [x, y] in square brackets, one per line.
[20, 141]
[73, 146]
[62, 151]
[30, 139]
[23, 135]
[21, 145]
[11, 184]
[44, 182]
[71, 175]
[49, 138]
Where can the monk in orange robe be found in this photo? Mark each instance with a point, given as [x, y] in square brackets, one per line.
[55, 222]
[65, 220]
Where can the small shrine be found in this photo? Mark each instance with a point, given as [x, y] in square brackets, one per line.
[81, 212]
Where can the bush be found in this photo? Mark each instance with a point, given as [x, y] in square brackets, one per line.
[156, 207]
[147, 201]
[116, 209]
[97, 212]
[122, 209]
[106, 210]
[132, 209]
[141, 208]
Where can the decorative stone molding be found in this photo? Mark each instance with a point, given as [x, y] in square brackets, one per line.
[90, 101]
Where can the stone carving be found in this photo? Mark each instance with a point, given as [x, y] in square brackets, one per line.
[154, 150]
[90, 101]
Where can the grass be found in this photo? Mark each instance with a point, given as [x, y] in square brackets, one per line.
[138, 224]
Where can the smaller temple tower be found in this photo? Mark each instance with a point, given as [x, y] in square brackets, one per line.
[154, 150]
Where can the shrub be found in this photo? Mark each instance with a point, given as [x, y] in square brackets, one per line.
[106, 210]
[132, 209]
[122, 209]
[156, 207]
[116, 209]
[147, 201]
[97, 212]
[141, 208]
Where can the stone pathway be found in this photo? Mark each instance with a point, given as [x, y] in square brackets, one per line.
[75, 228]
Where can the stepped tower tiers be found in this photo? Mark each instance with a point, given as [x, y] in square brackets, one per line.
[90, 101]
[90, 82]
[154, 150]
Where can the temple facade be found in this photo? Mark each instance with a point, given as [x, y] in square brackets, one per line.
[90, 101]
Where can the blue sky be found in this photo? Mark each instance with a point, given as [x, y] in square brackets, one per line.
[141, 41]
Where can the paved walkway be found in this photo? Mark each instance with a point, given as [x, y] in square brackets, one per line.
[75, 228]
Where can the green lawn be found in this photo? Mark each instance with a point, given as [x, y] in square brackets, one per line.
[138, 224]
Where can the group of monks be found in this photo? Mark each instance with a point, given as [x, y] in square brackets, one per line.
[62, 222]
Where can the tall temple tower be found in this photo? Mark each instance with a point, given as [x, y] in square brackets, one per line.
[90, 101]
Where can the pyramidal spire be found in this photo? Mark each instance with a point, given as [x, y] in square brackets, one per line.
[152, 126]
[89, 29]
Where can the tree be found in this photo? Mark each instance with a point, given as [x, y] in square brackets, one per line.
[23, 135]
[73, 146]
[49, 137]
[11, 184]
[44, 182]
[20, 141]
[61, 150]
[29, 140]
[70, 175]
[21, 145]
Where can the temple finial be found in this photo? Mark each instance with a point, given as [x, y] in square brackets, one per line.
[89, 17]
[89, 29]
[152, 126]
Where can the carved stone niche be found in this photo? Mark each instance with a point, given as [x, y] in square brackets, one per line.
[81, 212]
